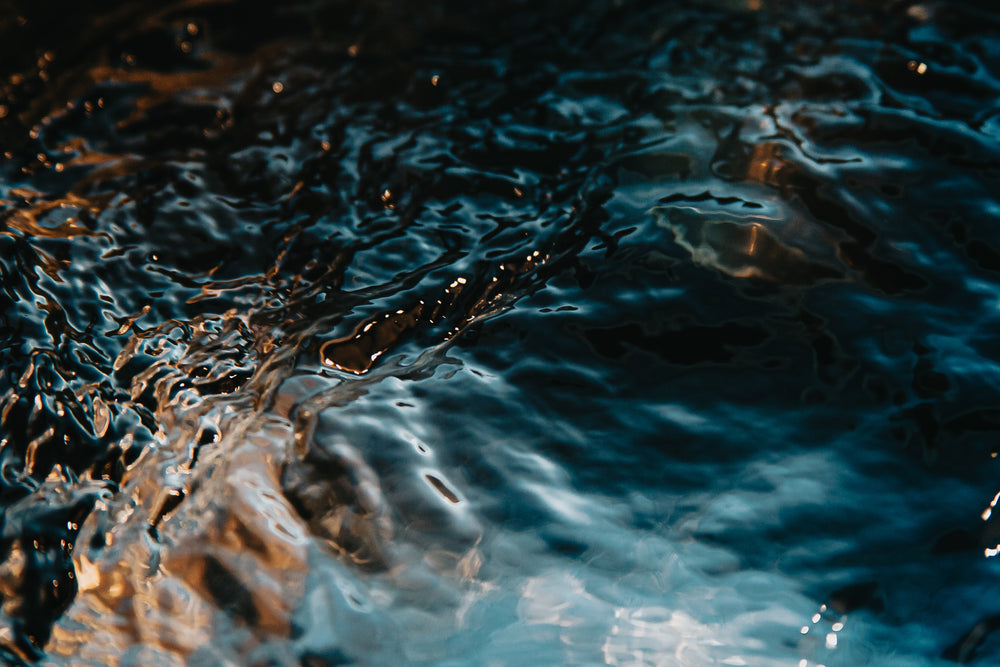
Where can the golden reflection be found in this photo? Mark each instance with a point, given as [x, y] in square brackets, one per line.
[729, 244]
[239, 554]
[42, 218]
[766, 164]
[356, 353]
[989, 510]
[102, 417]
[224, 72]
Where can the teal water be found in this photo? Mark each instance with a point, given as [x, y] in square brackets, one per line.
[622, 333]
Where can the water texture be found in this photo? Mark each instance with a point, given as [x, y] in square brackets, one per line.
[588, 332]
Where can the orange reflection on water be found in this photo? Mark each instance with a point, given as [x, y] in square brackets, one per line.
[34, 220]
[236, 559]
[357, 352]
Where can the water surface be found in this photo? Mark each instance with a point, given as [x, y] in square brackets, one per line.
[520, 333]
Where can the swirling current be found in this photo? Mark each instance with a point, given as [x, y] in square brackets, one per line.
[537, 333]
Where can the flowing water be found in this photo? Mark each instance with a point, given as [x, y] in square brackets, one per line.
[588, 332]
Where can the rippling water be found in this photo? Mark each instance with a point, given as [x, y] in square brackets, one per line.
[500, 333]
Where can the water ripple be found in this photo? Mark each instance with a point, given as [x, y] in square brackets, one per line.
[524, 332]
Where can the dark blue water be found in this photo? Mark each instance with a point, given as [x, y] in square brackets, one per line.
[630, 333]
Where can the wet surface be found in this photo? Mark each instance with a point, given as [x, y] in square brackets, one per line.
[625, 333]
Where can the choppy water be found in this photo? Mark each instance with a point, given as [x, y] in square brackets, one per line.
[508, 333]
